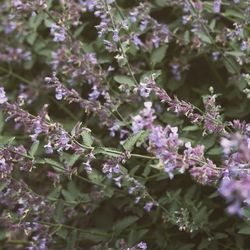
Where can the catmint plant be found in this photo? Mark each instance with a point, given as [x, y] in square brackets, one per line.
[124, 124]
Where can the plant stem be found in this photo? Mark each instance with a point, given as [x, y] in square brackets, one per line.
[15, 75]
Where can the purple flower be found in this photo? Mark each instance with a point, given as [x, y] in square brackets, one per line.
[48, 148]
[17, 3]
[217, 6]
[144, 119]
[9, 27]
[145, 86]
[87, 167]
[90, 4]
[59, 94]
[91, 57]
[216, 55]
[5, 169]
[244, 46]
[143, 25]
[109, 169]
[58, 32]
[64, 139]
[3, 97]
[165, 144]
[148, 206]
[142, 245]
[186, 7]
[116, 169]
[212, 118]
[38, 127]
[175, 69]
[185, 19]
[136, 40]
[228, 145]
[116, 36]
[236, 192]
[144, 90]
[118, 180]
[114, 128]
[94, 94]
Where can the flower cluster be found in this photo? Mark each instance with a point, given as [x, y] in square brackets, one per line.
[236, 192]
[30, 210]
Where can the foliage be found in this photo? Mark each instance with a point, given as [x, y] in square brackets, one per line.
[112, 134]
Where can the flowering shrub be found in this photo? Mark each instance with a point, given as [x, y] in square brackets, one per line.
[124, 124]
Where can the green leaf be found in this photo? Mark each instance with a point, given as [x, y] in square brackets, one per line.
[93, 234]
[107, 151]
[79, 30]
[149, 74]
[10, 140]
[96, 177]
[186, 37]
[72, 240]
[215, 151]
[161, 3]
[158, 54]
[244, 230]
[212, 24]
[221, 236]
[233, 13]
[3, 234]
[54, 195]
[36, 20]
[125, 46]
[188, 246]
[68, 196]
[48, 22]
[33, 148]
[235, 53]
[136, 235]
[2, 186]
[191, 128]
[231, 65]
[87, 138]
[127, 80]
[62, 233]
[72, 160]
[204, 37]
[31, 38]
[56, 165]
[124, 223]
[142, 138]
[2, 123]
[59, 211]
[130, 142]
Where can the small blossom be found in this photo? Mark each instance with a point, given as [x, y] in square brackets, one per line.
[116, 36]
[244, 46]
[217, 6]
[48, 148]
[58, 32]
[3, 97]
[94, 94]
[144, 119]
[148, 206]
[216, 55]
[142, 245]
[87, 167]
[5, 169]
